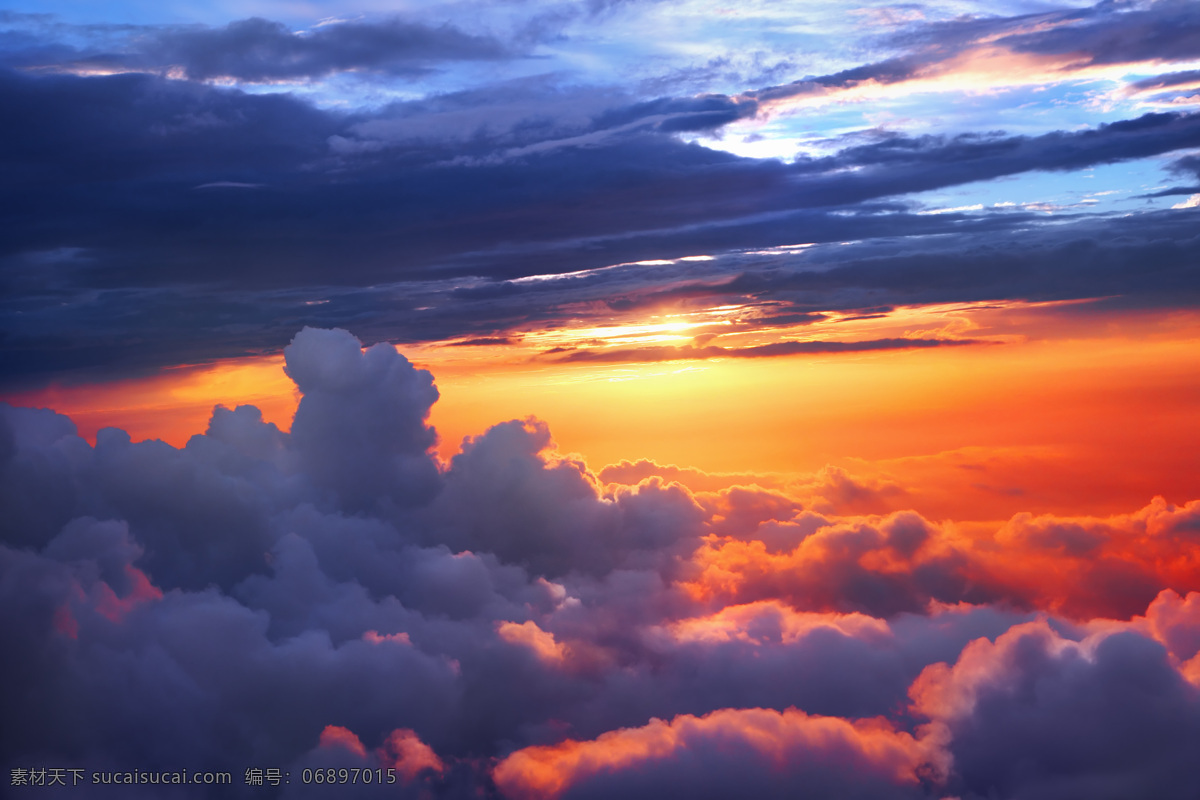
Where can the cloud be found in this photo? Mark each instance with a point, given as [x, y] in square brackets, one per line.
[1175, 622]
[516, 622]
[634, 472]
[509, 619]
[360, 427]
[124, 682]
[402, 765]
[361, 216]
[990, 53]
[257, 50]
[1165, 81]
[474, 188]
[771, 620]
[529, 635]
[774, 349]
[1067, 712]
[253, 50]
[1024, 715]
[506, 495]
[768, 753]
[1162, 31]
[902, 562]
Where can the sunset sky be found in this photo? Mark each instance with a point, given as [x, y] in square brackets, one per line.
[611, 398]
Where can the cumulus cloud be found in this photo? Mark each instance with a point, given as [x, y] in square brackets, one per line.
[903, 562]
[1036, 714]
[334, 597]
[760, 751]
[360, 427]
[506, 495]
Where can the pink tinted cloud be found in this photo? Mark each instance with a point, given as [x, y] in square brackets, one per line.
[335, 737]
[402, 750]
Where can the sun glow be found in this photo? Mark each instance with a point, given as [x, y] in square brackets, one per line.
[1028, 422]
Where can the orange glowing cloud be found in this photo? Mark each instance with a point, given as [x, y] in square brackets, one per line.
[787, 742]
[1082, 567]
[815, 571]
[374, 637]
[1106, 566]
[541, 643]
[770, 621]
[739, 509]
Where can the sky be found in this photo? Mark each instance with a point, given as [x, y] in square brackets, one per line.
[533, 400]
